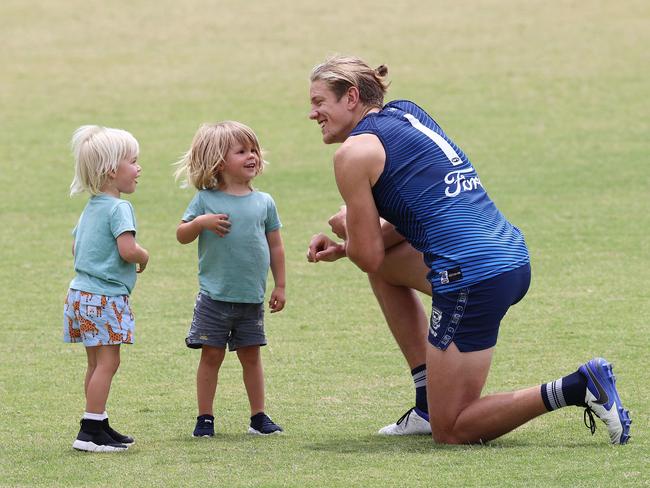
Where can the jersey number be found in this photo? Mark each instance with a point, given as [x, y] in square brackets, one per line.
[440, 141]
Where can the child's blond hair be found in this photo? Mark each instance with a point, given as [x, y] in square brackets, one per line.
[97, 152]
[202, 165]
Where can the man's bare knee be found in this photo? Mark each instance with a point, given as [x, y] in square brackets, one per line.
[445, 438]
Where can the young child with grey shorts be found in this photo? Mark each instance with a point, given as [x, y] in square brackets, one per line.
[239, 239]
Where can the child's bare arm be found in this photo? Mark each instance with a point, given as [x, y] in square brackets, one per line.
[186, 232]
[131, 251]
[276, 249]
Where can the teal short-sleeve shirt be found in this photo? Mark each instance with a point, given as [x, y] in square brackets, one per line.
[97, 262]
[234, 268]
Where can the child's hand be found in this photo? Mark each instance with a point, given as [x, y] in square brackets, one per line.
[277, 301]
[217, 223]
[140, 267]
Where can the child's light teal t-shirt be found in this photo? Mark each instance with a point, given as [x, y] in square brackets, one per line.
[234, 268]
[97, 261]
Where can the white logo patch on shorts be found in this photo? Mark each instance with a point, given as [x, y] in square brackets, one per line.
[434, 324]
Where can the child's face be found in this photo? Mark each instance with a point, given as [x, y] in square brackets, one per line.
[241, 164]
[126, 176]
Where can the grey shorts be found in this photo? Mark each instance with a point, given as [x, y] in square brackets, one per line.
[216, 323]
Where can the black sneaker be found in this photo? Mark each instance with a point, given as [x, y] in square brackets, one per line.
[204, 426]
[121, 438]
[261, 424]
[93, 438]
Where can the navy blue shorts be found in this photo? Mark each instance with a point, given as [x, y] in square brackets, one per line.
[216, 323]
[470, 317]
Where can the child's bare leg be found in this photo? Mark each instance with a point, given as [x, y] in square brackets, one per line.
[98, 385]
[251, 361]
[91, 352]
[206, 377]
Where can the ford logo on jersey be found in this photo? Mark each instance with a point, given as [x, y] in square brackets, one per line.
[457, 181]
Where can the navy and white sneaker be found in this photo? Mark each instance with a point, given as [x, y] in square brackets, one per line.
[204, 426]
[602, 399]
[261, 424]
[413, 422]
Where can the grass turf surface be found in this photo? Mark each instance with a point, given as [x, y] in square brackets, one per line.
[548, 100]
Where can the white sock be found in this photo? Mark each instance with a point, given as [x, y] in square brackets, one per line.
[94, 416]
[104, 415]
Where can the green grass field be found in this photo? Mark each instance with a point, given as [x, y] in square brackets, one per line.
[549, 100]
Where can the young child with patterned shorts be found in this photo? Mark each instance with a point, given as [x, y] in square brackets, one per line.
[106, 259]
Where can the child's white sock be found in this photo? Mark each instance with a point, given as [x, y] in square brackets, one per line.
[94, 416]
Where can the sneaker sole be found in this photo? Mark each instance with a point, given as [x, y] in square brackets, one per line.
[603, 370]
[200, 436]
[257, 432]
[89, 446]
[392, 432]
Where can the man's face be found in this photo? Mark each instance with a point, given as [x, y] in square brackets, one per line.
[332, 115]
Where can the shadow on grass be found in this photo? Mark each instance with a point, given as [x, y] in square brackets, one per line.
[227, 438]
[368, 443]
[424, 444]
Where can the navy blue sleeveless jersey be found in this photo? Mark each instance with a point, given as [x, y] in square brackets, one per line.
[433, 196]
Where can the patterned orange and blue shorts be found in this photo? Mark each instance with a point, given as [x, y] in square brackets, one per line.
[97, 320]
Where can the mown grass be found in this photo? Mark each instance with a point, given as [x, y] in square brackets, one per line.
[549, 101]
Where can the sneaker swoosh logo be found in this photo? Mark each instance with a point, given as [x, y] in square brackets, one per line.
[603, 398]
